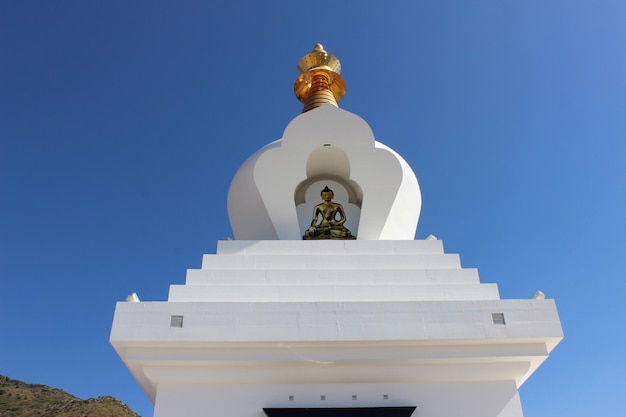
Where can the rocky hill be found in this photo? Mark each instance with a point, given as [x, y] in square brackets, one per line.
[18, 399]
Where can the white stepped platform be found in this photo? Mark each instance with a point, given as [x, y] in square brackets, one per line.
[273, 320]
[331, 271]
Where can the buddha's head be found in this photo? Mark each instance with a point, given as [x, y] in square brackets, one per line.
[327, 194]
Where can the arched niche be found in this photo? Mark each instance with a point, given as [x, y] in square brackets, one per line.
[328, 166]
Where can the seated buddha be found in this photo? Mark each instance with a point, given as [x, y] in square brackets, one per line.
[330, 225]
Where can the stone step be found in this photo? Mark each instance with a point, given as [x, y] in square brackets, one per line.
[328, 293]
[325, 262]
[325, 277]
[328, 247]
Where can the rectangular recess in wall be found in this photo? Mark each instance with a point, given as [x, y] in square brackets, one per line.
[340, 412]
[176, 321]
[498, 318]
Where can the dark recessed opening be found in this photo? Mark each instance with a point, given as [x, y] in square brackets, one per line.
[340, 412]
[498, 318]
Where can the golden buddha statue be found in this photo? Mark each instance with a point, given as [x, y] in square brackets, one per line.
[332, 219]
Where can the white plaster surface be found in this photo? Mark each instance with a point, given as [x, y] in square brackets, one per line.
[325, 277]
[479, 399]
[322, 293]
[319, 271]
[330, 247]
[261, 203]
[336, 321]
[385, 318]
[263, 320]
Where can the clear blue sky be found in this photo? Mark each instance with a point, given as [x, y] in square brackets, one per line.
[123, 122]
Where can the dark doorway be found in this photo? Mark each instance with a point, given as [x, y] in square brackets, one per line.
[340, 412]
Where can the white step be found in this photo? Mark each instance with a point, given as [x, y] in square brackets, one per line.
[330, 293]
[328, 247]
[322, 277]
[324, 262]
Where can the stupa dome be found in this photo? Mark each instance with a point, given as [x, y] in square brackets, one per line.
[276, 193]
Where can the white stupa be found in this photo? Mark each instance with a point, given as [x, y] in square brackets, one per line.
[354, 319]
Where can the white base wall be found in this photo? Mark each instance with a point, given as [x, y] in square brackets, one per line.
[476, 399]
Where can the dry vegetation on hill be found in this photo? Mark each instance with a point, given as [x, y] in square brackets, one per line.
[18, 399]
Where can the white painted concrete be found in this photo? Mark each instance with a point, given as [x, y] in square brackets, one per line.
[321, 271]
[240, 277]
[265, 320]
[327, 145]
[478, 399]
[337, 321]
[323, 293]
[330, 247]
[271, 320]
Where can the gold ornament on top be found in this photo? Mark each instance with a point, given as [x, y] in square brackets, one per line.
[319, 81]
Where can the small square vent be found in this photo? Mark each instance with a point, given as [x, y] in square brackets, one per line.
[176, 321]
[498, 318]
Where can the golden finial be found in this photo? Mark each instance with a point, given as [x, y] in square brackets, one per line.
[319, 81]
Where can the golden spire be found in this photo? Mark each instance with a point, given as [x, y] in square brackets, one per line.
[319, 81]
